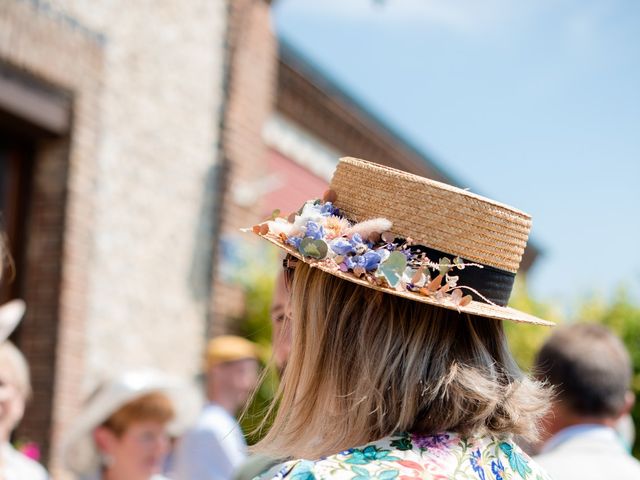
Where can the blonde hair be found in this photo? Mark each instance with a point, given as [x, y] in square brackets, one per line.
[153, 406]
[10, 355]
[365, 364]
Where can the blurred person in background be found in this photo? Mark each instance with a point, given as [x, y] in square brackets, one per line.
[590, 369]
[15, 388]
[123, 431]
[215, 446]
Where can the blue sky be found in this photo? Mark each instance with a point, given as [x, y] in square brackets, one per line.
[532, 103]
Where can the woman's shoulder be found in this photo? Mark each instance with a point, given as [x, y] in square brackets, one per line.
[413, 456]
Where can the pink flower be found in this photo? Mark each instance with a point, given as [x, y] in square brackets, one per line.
[30, 450]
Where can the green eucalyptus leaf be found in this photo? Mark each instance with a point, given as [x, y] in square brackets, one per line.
[314, 248]
[393, 268]
[445, 265]
[458, 262]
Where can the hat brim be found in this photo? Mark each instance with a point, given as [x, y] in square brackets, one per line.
[10, 315]
[79, 450]
[474, 307]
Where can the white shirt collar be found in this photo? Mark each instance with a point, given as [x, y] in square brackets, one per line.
[601, 432]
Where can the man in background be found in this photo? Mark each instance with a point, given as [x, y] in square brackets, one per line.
[214, 447]
[590, 370]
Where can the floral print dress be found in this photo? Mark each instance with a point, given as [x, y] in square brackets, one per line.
[407, 456]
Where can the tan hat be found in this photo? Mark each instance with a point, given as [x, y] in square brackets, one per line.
[10, 315]
[412, 237]
[229, 348]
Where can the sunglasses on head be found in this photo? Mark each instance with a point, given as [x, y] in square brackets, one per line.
[289, 265]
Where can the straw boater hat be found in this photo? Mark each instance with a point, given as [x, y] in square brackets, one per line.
[79, 450]
[412, 237]
[10, 315]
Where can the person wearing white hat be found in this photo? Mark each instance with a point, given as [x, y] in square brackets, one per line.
[123, 431]
[15, 388]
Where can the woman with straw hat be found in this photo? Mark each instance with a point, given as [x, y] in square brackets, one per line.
[399, 365]
[122, 433]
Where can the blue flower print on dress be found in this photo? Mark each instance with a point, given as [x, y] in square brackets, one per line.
[476, 459]
[497, 469]
[417, 456]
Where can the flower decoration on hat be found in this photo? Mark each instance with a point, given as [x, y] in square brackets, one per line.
[368, 250]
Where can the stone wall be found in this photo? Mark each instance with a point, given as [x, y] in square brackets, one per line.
[159, 118]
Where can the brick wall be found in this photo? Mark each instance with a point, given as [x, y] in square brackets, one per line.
[251, 96]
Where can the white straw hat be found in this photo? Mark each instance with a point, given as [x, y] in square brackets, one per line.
[79, 450]
[412, 237]
[10, 315]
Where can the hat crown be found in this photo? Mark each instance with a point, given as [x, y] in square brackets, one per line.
[433, 214]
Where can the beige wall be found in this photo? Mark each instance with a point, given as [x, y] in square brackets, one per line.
[159, 116]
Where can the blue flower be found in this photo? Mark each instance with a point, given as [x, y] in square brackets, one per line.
[358, 244]
[328, 209]
[359, 261]
[342, 246]
[294, 242]
[372, 260]
[349, 263]
[314, 230]
[497, 469]
[475, 464]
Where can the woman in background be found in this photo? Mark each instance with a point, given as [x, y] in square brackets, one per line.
[15, 388]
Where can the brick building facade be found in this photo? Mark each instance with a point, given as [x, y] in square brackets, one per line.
[109, 118]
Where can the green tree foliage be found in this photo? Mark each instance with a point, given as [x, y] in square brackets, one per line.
[524, 339]
[258, 279]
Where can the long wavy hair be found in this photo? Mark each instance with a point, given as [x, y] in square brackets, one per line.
[365, 364]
